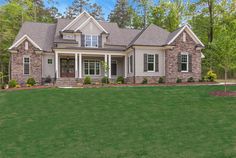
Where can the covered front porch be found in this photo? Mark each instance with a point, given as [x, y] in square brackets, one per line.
[79, 65]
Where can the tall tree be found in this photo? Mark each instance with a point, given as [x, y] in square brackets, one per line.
[121, 14]
[78, 6]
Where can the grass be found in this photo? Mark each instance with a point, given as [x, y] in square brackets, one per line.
[137, 122]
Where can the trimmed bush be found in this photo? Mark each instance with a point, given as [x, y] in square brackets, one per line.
[145, 81]
[87, 80]
[190, 79]
[105, 80]
[211, 76]
[12, 83]
[203, 79]
[178, 80]
[31, 81]
[161, 80]
[48, 79]
[120, 80]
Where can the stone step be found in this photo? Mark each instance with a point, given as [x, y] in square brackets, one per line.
[66, 82]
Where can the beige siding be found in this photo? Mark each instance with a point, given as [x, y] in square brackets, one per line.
[91, 29]
[48, 69]
[139, 62]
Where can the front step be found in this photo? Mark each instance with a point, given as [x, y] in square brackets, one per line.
[66, 82]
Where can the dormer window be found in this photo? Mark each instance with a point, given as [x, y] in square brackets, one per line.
[91, 41]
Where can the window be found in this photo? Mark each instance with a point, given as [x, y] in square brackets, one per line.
[131, 64]
[49, 61]
[184, 62]
[68, 36]
[26, 45]
[91, 67]
[150, 62]
[91, 41]
[184, 37]
[26, 65]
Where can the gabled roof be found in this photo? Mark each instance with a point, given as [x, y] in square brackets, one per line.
[177, 32]
[41, 35]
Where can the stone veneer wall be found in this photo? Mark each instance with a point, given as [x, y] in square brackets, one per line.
[17, 64]
[171, 60]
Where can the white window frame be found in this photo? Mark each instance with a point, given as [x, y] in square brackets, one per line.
[95, 61]
[154, 61]
[26, 45]
[131, 64]
[91, 41]
[185, 53]
[24, 65]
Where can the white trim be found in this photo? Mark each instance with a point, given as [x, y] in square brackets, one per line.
[26, 56]
[154, 61]
[17, 43]
[190, 30]
[91, 42]
[126, 64]
[185, 53]
[87, 21]
[131, 64]
[80, 65]
[73, 21]
[95, 61]
[109, 66]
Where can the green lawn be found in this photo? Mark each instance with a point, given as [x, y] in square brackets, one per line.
[138, 122]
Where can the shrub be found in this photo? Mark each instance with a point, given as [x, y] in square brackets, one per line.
[178, 80]
[105, 80]
[145, 81]
[161, 80]
[18, 86]
[120, 80]
[211, 76]
[87, 80]
[12, 83]
[48, 79]
[202, 80]
[31, 81]
[190, 79]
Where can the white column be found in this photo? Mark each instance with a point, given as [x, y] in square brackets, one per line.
[76, 65]
[126, 66]
[80, 65]
[109, 66]
[105, 60]
[56, 65]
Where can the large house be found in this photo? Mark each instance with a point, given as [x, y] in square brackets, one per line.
[70, 50]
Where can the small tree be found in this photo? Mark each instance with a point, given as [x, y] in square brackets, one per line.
[105, 68]
[225, 51]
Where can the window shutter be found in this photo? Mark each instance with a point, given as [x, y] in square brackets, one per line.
[145, 63]
[179, 62]
[156, 62]
[100, 41]
[190, 63]
[82, 40]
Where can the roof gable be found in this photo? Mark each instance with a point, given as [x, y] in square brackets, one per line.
[176, 33]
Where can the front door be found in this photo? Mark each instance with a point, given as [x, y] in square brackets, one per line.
[67, 67]
[113, 68]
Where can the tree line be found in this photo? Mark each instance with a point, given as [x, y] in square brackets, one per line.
[213, 21]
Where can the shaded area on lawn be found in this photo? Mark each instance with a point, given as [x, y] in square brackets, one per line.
[129, 122]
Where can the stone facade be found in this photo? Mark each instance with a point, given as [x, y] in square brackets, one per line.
[171, 60]
[17, 66]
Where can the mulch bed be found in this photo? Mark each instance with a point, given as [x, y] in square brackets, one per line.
[223, 93]
[27, 88]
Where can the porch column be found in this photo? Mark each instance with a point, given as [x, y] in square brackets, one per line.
[105, 71]
[80, 65]
[109, 66]
[56, 65]
[126, 68]
[76, 65]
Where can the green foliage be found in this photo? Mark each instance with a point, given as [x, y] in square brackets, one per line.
[31, 81]
[105, 80]
[87, 80]
[48, 79]
[190, 79]
[161, 80]
[120, 80]
[211, 76]
[178, 80]
[145, 80]
[12, 83]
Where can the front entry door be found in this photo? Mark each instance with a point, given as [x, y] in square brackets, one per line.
[67, 67]
[113, 68]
